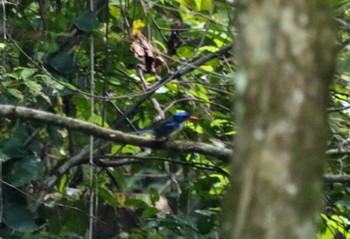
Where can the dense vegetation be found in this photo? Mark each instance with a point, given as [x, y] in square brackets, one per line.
[122, 65]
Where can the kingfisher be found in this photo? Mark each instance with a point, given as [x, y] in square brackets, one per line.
[171, 125]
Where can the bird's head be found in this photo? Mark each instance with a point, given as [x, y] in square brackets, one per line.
[181, 117]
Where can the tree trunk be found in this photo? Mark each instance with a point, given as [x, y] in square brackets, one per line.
[285, 53]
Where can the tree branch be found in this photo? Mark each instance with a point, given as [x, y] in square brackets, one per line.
[182, 71]
[121, 160]
[337, 178]
[112, 135]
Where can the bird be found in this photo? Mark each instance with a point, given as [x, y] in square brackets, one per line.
[171, 125]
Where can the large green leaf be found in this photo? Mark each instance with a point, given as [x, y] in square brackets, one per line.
[24, 171]
[62, 62]
[16, 93]
[33, 86]
[27, 73]
[13, 147]
[18, 218]
[87, 22]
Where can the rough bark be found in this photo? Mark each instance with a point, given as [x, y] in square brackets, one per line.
[285, 53]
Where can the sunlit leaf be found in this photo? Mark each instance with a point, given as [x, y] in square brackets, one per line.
[136, 26]
[130, 149]
[33, 86]
[114, 11]
[218, 122]
[207, 68]
[27, 73]
[149, 212]
[16, 93]
[185, 52]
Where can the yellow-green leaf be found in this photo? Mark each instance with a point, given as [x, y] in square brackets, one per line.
[15, 93]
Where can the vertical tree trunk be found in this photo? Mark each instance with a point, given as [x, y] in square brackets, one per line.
[285, 52]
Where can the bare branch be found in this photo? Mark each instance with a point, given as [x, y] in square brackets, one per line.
[188, 67]
[337, 178]
[111, 135]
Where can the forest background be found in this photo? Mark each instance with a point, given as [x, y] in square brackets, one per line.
[78, 80]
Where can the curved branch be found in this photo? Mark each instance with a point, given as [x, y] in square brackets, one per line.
[111, 135]
[188, 67]
[121, 160]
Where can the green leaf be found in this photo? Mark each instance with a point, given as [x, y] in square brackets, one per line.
[172, 87]
[149, 212]
[62, 62]
[13, 147]
[185, 52]
[219, 122]
[207, 48]
[3, 157]
[15, 93]
[206, 5]
[190, 4]
[114, 11]
[198, 4]
[50, 82]
[87, 22]
[33, 86]
[200, 93]
[154, 196]
[24, 171]
[97, 119]
[207, 68]
[120, 178]
[70, 220]
[27, 73]
[130, 149]
[107, 196]
[136, 202]
[18, 218]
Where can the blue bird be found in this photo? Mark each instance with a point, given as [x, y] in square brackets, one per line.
[171, 126]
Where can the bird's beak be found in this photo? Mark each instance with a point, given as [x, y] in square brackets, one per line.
[193, 117]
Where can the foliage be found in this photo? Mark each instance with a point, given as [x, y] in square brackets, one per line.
[45, 53]
[46, 65]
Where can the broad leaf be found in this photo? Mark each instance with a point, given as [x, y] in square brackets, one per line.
[24, 171]
[87, 22]
[18, 218]
[62, 62]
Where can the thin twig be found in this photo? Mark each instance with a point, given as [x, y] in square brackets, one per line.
[182, 71]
